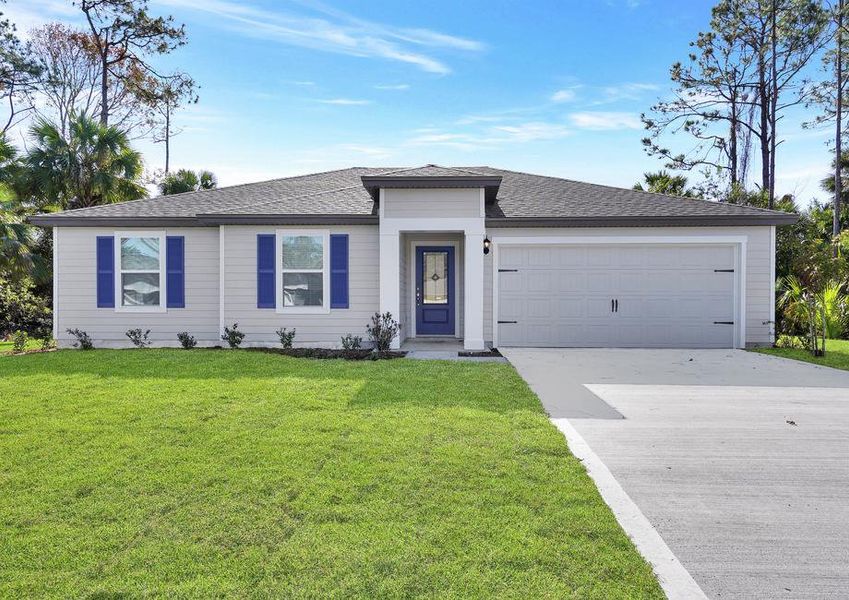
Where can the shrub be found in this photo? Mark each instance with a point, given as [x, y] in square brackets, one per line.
[84, 341]
[351, 342]
[19, 341]
[47, 343]
[382, 330]
[233, 336]
[286, 337]
[790, 341]
[21, 309]
[187, 341]
[139, 338]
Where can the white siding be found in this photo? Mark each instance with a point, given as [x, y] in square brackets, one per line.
[259, 325]
[77, 291]
[426, 203]
[759, 265]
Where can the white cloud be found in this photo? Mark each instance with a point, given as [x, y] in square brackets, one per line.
[397, 87]
[527, 132]
[35, 13]
[301, 83]
[605, 121]
[344, 102]
[566, 95]
[626, 91]
[331, 30]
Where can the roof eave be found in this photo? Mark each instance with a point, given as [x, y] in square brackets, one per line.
[203, 220]
[491, 183]
[645, 221]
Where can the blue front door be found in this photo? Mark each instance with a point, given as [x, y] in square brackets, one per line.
[435, 290]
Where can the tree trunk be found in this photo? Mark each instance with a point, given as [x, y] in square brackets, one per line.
[838, 129]
[167, 135]
[773, 104]
[764, 101]
[104, 88]
[732, 152]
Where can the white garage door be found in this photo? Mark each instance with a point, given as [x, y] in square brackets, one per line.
[621, 296]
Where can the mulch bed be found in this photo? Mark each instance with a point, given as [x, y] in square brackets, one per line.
[484, 354]
[330, 353]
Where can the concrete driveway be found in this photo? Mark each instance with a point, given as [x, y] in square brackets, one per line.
[740, 461]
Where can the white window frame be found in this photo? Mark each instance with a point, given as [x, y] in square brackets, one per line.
[324, 234]
[119, 296]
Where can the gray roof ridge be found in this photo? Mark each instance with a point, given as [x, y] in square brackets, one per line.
[647, 193]
[184, 195]
[401, 170]
[308, 195]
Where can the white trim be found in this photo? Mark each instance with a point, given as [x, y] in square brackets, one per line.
[772, 284]
[411, 281]
[389, 283]
[740, 254]
[325, 271]
[483, 203]
[673, 577]
[473, 266]
[221, 282]
[396, 225]
[163, 280]
[55, 283]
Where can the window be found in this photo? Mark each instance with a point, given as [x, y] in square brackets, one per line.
[304, 271]
[140, 258]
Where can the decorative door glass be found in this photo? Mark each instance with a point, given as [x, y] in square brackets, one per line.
[435, 278]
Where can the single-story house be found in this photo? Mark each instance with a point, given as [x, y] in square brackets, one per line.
[489, 256]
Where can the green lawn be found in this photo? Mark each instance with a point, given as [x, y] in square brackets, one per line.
[230, 473]
[836, 354]
[6, 347]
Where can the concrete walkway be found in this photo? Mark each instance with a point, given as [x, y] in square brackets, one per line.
[740, 461]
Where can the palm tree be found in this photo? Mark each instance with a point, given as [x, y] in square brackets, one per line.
[19, 252]
[185, 180]
[94, 165]
[663, 182]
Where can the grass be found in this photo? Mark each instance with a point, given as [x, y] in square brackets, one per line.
[229, 473]
[6, 347]
[836, 354]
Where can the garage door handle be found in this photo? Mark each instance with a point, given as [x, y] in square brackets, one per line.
[508, 270]
[617, 305]
[502, 322]
[612, 305]
[723, 322]
[723, 270]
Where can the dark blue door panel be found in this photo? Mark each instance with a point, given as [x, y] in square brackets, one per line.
[435, 284]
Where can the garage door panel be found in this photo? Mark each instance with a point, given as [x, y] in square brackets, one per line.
[540, 281]
[667, 296]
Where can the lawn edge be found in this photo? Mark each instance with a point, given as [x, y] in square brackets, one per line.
[674, 578]
[761, 352]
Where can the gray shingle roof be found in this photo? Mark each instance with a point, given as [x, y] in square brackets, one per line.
[339, 196]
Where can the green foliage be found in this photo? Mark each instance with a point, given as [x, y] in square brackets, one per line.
[185, 180]
[187, 341]
[351, 342]
[816, 314]
[21, 309]
[84, 341]
[663, 182]
[139, 338]
[382, 330]
[233, 336]
[790, 341]
[287, 337]
[19, 341]
[93, 165]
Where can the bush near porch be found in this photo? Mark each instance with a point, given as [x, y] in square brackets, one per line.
[210, 473]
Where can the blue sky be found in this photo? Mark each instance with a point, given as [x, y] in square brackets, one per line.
[551, 87]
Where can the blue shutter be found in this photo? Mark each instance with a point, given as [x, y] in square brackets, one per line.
[105, 272]
[339, 271]
[266, 290]
[175, 267]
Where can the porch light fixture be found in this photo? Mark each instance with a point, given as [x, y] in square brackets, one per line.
[486, 245]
